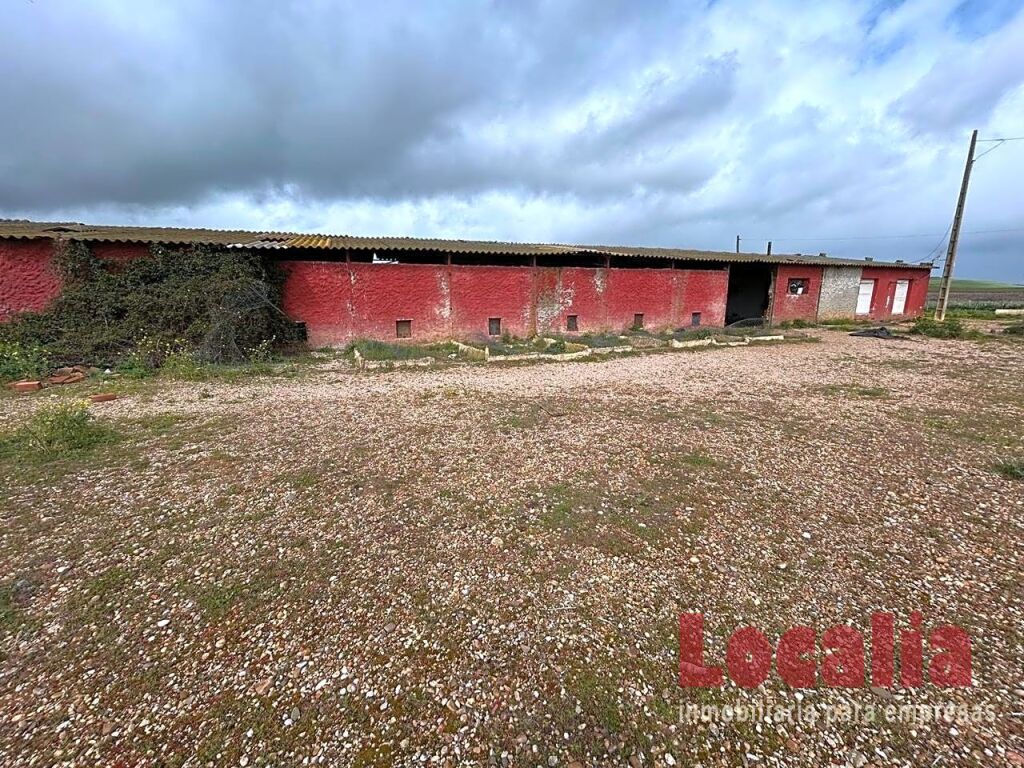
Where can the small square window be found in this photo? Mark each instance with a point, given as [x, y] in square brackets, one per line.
[638, 320]
[572, 323]
[695, 319]
[403, 329]
[494, 326]
[797, 286]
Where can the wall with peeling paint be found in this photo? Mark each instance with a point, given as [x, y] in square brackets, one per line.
[340, 302]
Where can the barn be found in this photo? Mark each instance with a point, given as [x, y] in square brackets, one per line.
[342, 287]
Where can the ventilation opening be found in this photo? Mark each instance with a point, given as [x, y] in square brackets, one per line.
[797, 286]
[749, 286]
[695, 319]
[572, 323]
[403, 329]
[638, 320]
[494, 326]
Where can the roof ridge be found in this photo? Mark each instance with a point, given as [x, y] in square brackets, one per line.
[242, 238]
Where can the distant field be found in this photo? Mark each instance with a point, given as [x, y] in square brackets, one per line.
[979, 294]
[974, 285]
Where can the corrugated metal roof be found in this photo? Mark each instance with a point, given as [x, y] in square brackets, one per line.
[11, 228]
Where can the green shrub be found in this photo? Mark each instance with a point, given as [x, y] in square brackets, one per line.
[950, 328]
[1015, 330]
[56, 430]
[20, 361]
[182, 365]
[218, 305]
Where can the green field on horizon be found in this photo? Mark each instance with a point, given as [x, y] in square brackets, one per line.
[961, 284]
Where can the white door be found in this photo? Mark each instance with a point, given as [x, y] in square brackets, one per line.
[867, 287]
[899, 301]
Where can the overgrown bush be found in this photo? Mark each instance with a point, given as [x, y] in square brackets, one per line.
[950, 328]
[57, 429]
[213, 305]
[21, 361]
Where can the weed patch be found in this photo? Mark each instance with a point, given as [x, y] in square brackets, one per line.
[1012, 470]
[56, 431]
[696, 460]
[13, 596]
[21, 361]
[381, 350]
[300, 480]
[857, 390]
[950, 328]
[602, 340]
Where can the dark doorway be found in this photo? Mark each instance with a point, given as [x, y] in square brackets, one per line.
[749, 286]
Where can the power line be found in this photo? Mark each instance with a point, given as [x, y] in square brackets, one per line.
[990, 231]
[938, 246]
[993, 148]
[1009, 138]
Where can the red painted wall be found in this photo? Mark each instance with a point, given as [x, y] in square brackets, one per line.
[704, 291]
[480, 293]
[340, 302]
[647, 291]
[587, 288]
[319, 293]
[28, 280]
[560, 292]
[885, 290]
[384, 293]
[786, 306]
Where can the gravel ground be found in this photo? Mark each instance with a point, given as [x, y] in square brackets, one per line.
[486, 565]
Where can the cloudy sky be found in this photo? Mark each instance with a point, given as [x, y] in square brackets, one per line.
[822, 126]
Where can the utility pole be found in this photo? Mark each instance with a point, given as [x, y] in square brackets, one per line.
[954, 234]
[737, 243]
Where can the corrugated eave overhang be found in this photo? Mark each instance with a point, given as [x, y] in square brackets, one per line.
[20, 229]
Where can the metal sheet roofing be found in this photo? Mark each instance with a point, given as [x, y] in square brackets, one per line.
[23, 229]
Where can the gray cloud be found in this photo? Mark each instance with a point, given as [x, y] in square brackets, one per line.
[962, 91]
[515, 120]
